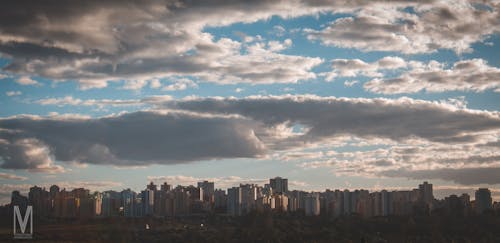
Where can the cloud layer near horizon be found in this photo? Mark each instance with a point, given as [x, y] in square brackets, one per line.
[138, 138]
[217, 128]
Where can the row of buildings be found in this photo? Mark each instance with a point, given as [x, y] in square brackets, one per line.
[166, 201]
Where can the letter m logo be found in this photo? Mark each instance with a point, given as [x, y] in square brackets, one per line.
[23, 222]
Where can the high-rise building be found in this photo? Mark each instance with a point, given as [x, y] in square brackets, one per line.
[97, 199]
[39, 198]
[128, 199]
[148, 201]
[208, 190]
[426, 194]
[483, 200]
[364, 204]
[54, 189]
[182, 201]
[293, 204]
[312, 206]
[165, 187]
[234, 201]
[111, 202]
[401, 203]
[385, 202]
[138, 207]
[220, 200]
[248, 197]
[267, 190]
[347, 202]
[151, 186]
[279, 185]
[19, 200]
[280, 202]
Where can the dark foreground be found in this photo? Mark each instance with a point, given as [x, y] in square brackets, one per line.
[267, 228]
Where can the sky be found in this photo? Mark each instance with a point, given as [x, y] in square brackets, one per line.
[329, 94]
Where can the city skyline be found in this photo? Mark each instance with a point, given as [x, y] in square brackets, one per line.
[201, 183]
[275, 196]
[342, 94]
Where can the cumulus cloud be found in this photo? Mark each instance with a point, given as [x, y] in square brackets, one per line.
[180, 84]
[427, 27]
[26, 153]
[357, 67]
[278, 30]
[25, 80]
[96, 43]
[139, 138]
[324, 117]
[438, 135]
[279, 46]
[194, 129]
[468, 75]
[13, 93]
[350, 83]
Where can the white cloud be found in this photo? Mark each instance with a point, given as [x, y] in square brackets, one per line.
[13, 93]
[469, 163]
[279, 30]
[25, 80]
[155, 84]
[8, 176]
[276, 46]
[454, 25]
[350, 83]
[357, 67]
[468, 75]
[180, 84]
[135, 84]
[71, 101]
[112, 42]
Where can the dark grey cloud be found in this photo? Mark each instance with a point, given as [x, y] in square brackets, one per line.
[217, 128]
[324, 118]
[138, 138]
[464, 176]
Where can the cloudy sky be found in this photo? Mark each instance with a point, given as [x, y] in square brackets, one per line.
[330, 94]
